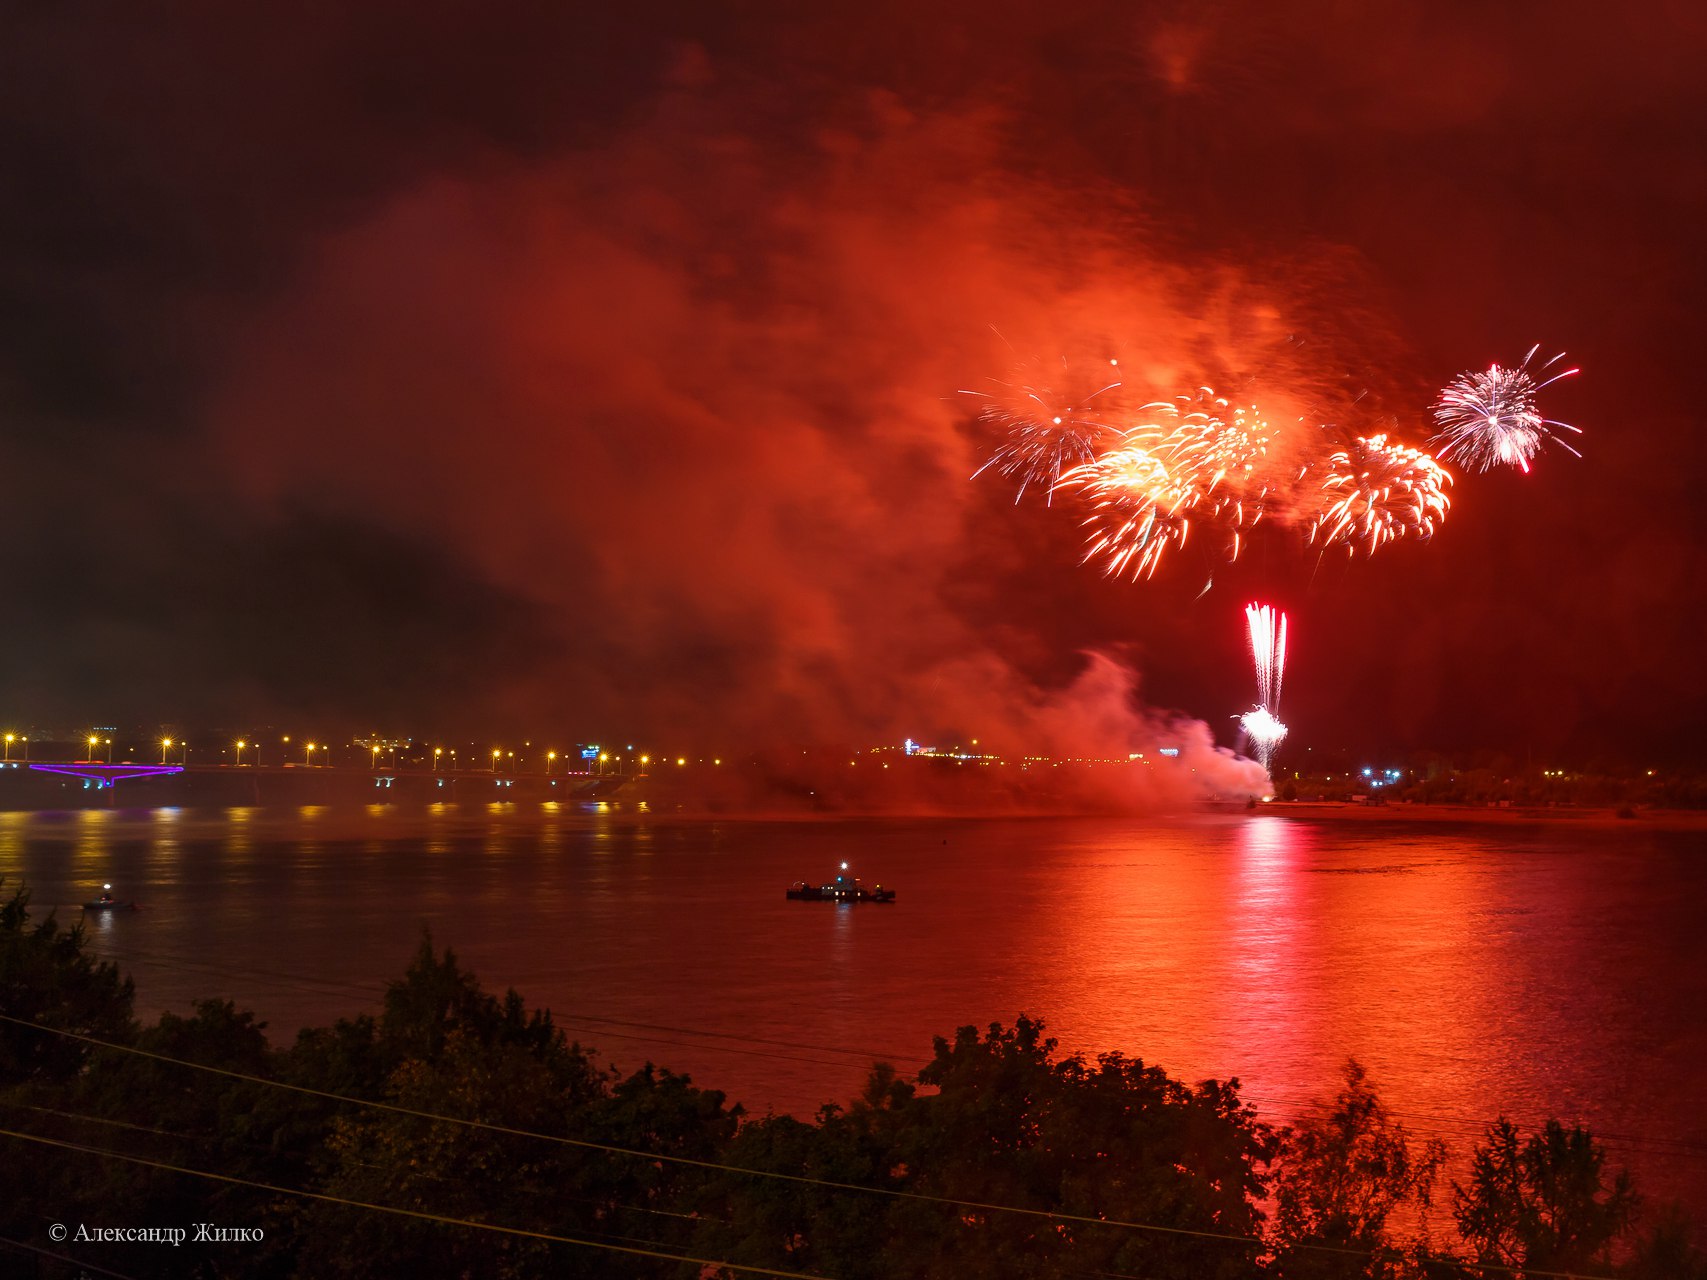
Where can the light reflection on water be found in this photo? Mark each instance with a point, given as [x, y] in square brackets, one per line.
[1529, 970]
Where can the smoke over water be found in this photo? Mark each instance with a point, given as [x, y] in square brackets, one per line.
[696, 398]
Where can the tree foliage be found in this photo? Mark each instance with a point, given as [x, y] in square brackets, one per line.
[1003, 1157]
[47, 977]
[1341, 1179]
[1543, 1201]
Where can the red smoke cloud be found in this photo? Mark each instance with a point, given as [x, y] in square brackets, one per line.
[698, 397]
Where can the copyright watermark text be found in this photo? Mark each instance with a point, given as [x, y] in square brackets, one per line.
[194, 1233]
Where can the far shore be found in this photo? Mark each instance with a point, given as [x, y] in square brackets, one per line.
[1562, 815]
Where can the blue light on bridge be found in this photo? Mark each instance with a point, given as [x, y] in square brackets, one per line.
[106, 775]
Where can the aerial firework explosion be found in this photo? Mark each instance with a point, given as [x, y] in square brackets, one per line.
[1053, 420]
[1147, 475]
[1138, 508]
[1267, 627]
[1176, 462]
[1490, 417]
[1376, 492]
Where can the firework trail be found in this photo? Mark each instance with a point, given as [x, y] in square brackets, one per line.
[1490, 418]
[1267, 628]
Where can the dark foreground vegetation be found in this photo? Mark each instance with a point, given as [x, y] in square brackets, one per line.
[461, 1135]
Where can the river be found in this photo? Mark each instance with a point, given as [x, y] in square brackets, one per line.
[1532, 970]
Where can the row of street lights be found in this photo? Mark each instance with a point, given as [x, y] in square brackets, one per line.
[168, 745]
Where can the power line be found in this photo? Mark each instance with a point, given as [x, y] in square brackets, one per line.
[1420, 1124]
[406, 1213]
[611, 1149]
[1286, 1111]
[892, 1192]
[256, 1149]
[1526, 1273]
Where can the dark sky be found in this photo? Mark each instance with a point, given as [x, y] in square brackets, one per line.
[541, 369]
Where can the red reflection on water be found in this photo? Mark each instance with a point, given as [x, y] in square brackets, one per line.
[1272, 998]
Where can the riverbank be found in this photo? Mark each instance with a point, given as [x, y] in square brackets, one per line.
[1562, 815]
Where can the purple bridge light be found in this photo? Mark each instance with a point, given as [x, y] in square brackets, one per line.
[107, 775]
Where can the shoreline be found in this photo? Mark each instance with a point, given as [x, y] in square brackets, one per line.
[1606, 817]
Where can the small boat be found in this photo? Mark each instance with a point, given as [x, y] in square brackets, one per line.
[844, 888]
[106, 902]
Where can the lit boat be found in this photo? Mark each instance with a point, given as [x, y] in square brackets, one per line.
[844, 888]
[106, 902]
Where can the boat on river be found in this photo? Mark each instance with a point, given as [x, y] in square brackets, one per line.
[844, 888]
[106, 902]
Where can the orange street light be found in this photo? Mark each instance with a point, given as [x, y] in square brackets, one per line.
[165, 746]
[94, 741]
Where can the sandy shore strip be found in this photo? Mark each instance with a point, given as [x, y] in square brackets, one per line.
[1562, 815]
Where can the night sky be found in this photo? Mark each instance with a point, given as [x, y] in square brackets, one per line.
[545, 368]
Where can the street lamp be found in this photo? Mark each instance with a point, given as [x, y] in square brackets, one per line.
[10, 739]
[549, 757]
[437, 752]
[496, 752]
[165, 746]
[94, 742]
[375, 757]
[109, 750]
[308, 754]
[644, 761]
[240, 745]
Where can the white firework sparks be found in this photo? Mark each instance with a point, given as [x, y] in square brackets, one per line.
[1267, 626]
[1264, 731]
[1489, 418]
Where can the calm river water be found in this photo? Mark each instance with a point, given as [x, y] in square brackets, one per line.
[1530, 970]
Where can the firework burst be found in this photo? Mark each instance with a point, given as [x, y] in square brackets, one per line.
[1377, 492]
[1178, 463]
[1147, 474]
[1490, 418]
[1052, 421]
[1138, 509]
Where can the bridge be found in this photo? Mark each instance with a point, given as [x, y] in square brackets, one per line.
[102, 775]
[96, 775]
